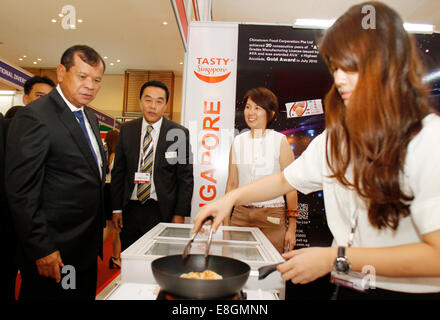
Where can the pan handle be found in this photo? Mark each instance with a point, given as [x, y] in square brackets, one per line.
[264, 271]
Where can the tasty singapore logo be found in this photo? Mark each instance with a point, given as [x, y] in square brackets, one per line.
[213, 69]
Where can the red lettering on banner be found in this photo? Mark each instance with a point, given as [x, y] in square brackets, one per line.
[209, 122]
[210, 142]
[205, 144]
[211, 109]
[210, 188]
[206, 158]
[213, 61]
[209, 175]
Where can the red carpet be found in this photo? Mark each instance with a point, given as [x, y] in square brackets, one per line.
[105, 275]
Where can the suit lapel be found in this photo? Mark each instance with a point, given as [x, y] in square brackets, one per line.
[161, 146]
[136, 143]
[69, 121]
[97, 133]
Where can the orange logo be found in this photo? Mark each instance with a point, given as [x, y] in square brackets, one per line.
[298, 108]
[211, 79]
[213, 70]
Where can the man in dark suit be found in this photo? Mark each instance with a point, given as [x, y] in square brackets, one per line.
[7, 234]
[55, 182]
[34, 88]
[152, 177]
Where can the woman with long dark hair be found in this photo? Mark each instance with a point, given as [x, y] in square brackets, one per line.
[377, 163]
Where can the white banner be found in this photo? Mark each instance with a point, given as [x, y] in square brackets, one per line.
[209, 105]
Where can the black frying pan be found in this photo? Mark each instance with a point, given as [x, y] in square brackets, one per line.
[167, 271]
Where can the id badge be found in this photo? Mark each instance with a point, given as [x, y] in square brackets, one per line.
[142, 177]
[353, 280]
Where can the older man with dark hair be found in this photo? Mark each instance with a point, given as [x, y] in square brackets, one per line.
[55, 168]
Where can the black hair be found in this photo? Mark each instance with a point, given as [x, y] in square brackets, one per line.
[85, 53]
[12, 111]
[29, 84]
[264, 98]
[155, 83]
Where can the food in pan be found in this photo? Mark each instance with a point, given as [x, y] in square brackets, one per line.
[205, 275]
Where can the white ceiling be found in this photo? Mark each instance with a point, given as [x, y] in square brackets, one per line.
[133, 30]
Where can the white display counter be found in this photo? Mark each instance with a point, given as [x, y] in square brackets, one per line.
[246, 244]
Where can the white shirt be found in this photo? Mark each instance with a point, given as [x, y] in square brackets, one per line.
[155, 136]
[421, 179]
[256, 158]
[108, 176]
[88, 127]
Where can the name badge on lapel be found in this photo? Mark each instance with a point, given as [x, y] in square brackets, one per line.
[141, 178]
[170, 154]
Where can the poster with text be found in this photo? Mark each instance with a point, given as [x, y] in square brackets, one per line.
[429, 48]
[287, 61]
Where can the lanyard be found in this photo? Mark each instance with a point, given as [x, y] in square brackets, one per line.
[347, 283]
[353, 225]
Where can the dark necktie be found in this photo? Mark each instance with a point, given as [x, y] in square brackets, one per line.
[80, 116]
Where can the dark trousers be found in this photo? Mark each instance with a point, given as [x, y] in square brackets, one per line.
[138, 219]
[74, 285]
[8, 267]
[8, 280]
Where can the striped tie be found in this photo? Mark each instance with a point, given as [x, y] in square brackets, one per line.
[143, 191]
